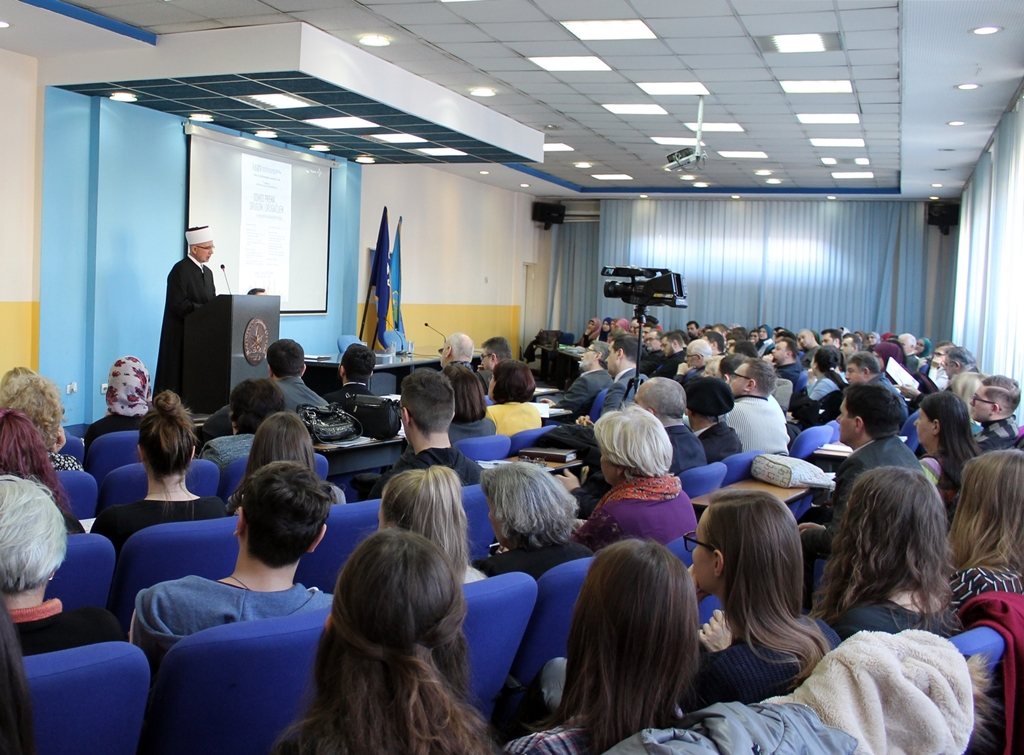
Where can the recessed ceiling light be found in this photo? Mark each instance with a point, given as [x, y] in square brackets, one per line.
[440, 151]
[339, 122]
[320, 148]
[837, 142]
[933, 198]
[4, 25]
[946, 149]
[735, 196]
[955, 123]
[839, 86]
[572, 63]
[968, 86]
[582, 165]
[700, 185]
[636, 109]
[862, 161]
[201, 117]
[799, 43]
[986, 30]
[524, 186]
[828, 117]
[365, 159]
[687, 177]
[276, 101]
[603, 30]
[266, 134]
[828, 161]
[762, 172]
[374, 40]
[676, 141]
[742, 154]
[936, 186]
[482, 92]
[558, 147]
[612, 177]
[774, 181]
[643, 196]
[123, 97]
[829, 197]
[853, 174]
[673, 87]
[716, 127]
[485, 173]
[398, 138]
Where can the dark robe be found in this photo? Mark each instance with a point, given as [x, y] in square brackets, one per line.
[188, 288]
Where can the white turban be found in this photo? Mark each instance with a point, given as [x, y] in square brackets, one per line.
[199, 236]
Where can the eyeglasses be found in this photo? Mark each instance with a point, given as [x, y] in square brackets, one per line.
[691, 542]
[742, 377]
[976, 399]
[208, 247]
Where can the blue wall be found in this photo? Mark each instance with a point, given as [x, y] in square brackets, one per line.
[114, 194]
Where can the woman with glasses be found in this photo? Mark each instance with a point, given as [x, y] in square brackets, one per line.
[944, 431]
[747, 553]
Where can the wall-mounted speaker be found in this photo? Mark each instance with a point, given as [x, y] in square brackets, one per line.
[549, 214]
[944, 215]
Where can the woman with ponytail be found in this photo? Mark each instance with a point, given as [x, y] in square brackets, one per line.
[167, 444]
[391, 670]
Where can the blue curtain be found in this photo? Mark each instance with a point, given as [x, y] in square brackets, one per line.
[574, 277]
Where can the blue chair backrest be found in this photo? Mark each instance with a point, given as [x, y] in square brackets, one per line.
[82, 492]
[738, 466]
[835, 431]
[481, 534]
[345, 341]
[347, 526]
[322, 466]
[74, 446]
[678, 547]
[809, 441]
[700, 480]
[485, 448]
[129, 483]
[707, 607]
[84, 577]
[909, 432]
[497, 612]
[206, 548]
[598, 405]
[231, 477]
[88, 700]
[819, 571]
[527, 438]
[110, 451]
[801, 382]
[567, 339]
[394, 337]
[981, 641]
[233, 689]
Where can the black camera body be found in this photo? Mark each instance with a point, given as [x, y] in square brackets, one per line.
[647, 286]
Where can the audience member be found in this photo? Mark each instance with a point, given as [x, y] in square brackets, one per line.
[286, 363]
[757, 417]
[746, 552]
[645, 500]
[707, 401]
[533, 517]
[944, 431]
[654, 356]
[764, 342]
[355, 371]
[832, 337]
[13, 373]
[167, 444]
[622, 368]
[673, 346]
[908, 342]
[593, 379]
[281, 516]
[807, 340]
[784, 357]
[711, 366]
[39, 398]
[851, 344]
[958, 360]
[666, 400]
[698, 352]
[392, 668]
[251, 402]
[606, 329]
[129, 396]
[492, 351]
[33, 541]
[632, 655]
[458, 349]
[863, 368]
[471, 420]
[591, 334]
[987, 535]
[17, 735]
[429, 503]
[889, 350]
[965, 385]
[717, 342]
[891, 562]
[428, 405]
[511, 389]
[824, 395]
[993, 405]
[693, 329]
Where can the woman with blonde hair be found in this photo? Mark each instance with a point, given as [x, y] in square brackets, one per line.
[429, 503]
[39, 398]
[987, 535]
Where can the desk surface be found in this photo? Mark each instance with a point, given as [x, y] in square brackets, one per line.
[785, 494]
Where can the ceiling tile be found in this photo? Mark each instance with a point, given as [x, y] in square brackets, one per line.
[876, 72]
[549, 49]
[438, 33]
[527, 32]
[712, 26]
[869, 19]
[872, 40]
[586, 10]
[478, 50]
[670, 8]
[873, 57]
[712, 46]
[781, 22]
[225, 8]
[417, 13]
[757, 77]
[147, 14]
[349, 17]
[654, 68]
[722, 61]
[492, 11]
[878, 85]
[805, 59]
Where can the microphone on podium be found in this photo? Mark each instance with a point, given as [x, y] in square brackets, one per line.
[427, 325]
[224, 272]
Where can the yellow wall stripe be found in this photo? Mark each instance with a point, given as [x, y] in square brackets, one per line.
[478, 321]
[19, 335]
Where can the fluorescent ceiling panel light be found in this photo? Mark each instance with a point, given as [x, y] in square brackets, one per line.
[347, 121]
[933, 198]
[558, 147]
[936, 186]
[320, 148]
[700, 185]
[524, 186]
[674, 87]
[968, 86]
[572, 63]
[643, 196]
[762, 172]
[735, 196]
[201, 117]
[837, 142]
[829, 197]
[636, 109]
[123, 97]
[276, 101]
[799, 43]
[853, 174]
[687, 178]
[742, 154]
[955, 123]
[774, 181]
[582, 165]
[828, 117]
[828, 161]
[983, 30]
[612, 177]
[840, 86]
[374, 40]
[365, 159]
[862, 161]
[485, 173]
[4, 25]
[440, 151]
[398, 138]
[604, 30]
[266, 134]
[716, 126]
[482, 92]
[676, 141]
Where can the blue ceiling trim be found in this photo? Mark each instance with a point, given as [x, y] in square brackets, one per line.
[691, 190]
[95, 19]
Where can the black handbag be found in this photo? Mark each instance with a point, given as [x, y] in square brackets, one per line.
[328, 424]
[380, 418]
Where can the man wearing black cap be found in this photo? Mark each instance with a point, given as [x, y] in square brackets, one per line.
[708, 399]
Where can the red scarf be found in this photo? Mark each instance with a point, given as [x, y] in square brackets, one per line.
[35, 613]
[644, 489]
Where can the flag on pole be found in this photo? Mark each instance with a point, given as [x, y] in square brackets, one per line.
[395, 280]
[380, 276]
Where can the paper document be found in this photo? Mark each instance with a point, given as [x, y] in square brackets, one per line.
[837, 448]
[899, 374]
[544, 409]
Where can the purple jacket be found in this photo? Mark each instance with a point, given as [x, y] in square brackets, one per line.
[663, 521]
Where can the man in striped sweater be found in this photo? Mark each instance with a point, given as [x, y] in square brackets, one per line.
[757, 417]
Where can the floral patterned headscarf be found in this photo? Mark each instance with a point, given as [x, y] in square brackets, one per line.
[129, 391]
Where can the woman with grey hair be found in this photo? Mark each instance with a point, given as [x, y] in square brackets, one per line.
[532, 516]
[645, 500]
[33, 542]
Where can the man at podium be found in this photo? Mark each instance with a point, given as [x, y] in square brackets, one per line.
[189, 286]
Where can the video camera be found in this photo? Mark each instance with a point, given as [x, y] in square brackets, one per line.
[648, 286]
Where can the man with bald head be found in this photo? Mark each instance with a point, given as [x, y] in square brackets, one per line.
[458, 349]
[666, 400]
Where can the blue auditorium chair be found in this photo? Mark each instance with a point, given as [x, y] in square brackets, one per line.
[129, 483]
[82, 492]
[835, 431]
[909, 432]
[485, 448]
[322, 466]
[527, 438]
[345, 341]
[347, 526]
[678, 547]
[700, 480]
[478, 522]
[710, 603]
[110, 451]
[738, 466]
[801, 382]
[809, 441]
[598, 405]
[231, 477]
[85, 576]
[74, 446]
[981, 640]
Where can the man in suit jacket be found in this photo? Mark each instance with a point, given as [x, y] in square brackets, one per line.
[286, 362]
[593, 379]
[622, 368]
[666, 400]
[189, 286]
[355, 371]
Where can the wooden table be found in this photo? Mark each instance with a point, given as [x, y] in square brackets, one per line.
[322, 377]
[792, 497]
[376, 453]
[553, 466]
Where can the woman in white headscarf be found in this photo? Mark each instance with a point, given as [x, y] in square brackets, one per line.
[129, 396]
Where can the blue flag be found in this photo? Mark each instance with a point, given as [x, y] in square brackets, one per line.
[395, 318]
[380, 276]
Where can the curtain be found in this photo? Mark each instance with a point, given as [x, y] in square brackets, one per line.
[575, 289]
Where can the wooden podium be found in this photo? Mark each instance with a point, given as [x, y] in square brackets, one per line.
[225, 343]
